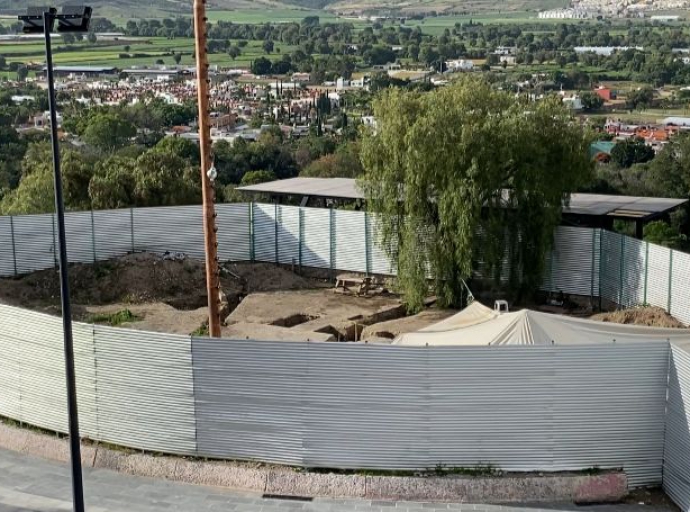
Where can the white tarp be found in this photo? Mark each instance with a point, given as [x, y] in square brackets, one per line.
[479, 325]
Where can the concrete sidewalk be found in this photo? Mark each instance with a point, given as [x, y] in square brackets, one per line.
[33, 485]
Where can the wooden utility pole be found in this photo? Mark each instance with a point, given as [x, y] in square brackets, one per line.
[207, 178]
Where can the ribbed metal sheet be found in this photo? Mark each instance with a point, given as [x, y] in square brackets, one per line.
[677, 450]
[81, 247]
[573, 265]
[680, 287]
[265, 230]
[317, 242]
[7, 259]
[380, 262]
[113, 231]
[658, 277]
[633, 286]
[233, 232]
[35, 242]
[32, 367]
[358, 406]
[145, 390]
[288, 232]
[350, 241]
[178, 229]
[611, 266]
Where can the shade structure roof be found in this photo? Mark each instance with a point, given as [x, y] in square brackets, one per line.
[478, 325]
[580, 204]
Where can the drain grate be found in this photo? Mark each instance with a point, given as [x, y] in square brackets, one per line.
[286, 497]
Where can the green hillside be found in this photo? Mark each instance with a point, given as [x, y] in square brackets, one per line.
[165, 8]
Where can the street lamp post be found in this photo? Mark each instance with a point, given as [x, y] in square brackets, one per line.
[72, 19]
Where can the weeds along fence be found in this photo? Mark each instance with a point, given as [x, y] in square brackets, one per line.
[587, 262]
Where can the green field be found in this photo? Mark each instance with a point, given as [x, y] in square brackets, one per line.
[156, 48]
[269, 15]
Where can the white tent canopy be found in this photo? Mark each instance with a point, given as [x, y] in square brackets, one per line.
[479, 325]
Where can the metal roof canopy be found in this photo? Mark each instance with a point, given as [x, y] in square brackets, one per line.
[580, 204]
[83, 69]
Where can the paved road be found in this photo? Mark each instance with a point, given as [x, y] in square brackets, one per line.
[33, 485]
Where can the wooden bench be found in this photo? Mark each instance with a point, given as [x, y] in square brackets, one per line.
[345, 282]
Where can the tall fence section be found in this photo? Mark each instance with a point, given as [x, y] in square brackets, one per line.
[343, 405]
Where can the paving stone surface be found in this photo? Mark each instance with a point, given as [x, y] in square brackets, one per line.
[28, 484]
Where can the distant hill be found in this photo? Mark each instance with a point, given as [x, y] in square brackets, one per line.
[161, 8]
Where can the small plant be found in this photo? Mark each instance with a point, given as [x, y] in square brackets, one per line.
[201, 331]
[113, 319]
[478, 470]
[594, 470]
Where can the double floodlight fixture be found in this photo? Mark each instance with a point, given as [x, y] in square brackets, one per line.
[72, 18]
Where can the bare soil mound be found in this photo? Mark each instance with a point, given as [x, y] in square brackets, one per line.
[651, 316]
[145, 278]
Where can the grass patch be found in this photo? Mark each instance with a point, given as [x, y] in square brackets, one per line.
[113, 319]
[441, 470]
[201, 331]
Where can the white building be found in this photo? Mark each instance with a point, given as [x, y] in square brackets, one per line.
[459, 65]
[566, 14]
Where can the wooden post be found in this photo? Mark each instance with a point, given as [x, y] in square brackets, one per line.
[207, 192]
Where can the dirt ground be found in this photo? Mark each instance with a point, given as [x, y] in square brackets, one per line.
[653, 317]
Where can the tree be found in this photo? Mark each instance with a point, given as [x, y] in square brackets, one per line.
[234, 52]
[91, 37]
[68, 38]
[344, 163]
[591, 101]
[640, 98]
[267, 46]
[661, 233]
[631, 151]
[256, 177]
[163, 179]
[439, 210]
[22, 73]
[261, 66]
[108, 132]
[177, 57]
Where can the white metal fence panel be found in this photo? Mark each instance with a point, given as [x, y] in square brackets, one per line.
[81, 246]
[380, 262]
[288, 233]
[680, 287]
[145, 390]
[8, 262]
[34, 242]
[265, 231]
[317, 243]
[572, 265]
[177, 229]
[233, 232]
[658, 276]
[611, 273]
[33, 368]
[677, 449]
[359, 406]
[350, 241]
[608, 408]
[249, 399]
[113, 232]
[633, 274]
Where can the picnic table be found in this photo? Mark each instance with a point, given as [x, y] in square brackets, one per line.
[346, 282]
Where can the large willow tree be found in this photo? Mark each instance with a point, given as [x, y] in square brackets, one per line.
[468, 173]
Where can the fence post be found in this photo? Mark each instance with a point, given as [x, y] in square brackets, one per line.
[93, 238]
[300, 229]
[591, 285]
[55, 247]
[621, 269]
[251, 231]
[331, 229]
[670, 279]
[131, 226]
[646, 272]
[14, 247]
[367, 246]
[276, 220]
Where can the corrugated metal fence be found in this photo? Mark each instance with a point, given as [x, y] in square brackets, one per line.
[677, 447]
[346, 405]
[587, 262]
